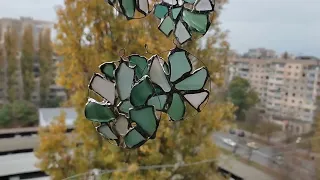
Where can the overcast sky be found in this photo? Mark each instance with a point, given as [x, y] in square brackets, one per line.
[292, 25]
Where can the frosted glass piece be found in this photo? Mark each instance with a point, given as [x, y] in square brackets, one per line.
[143, 5]
[103, 87]
[204, 5]
[157, 74]
[122, 125]
[181, 33]
[106, 132]
[124, 80]
[195, 81]
[197, 99]
[179, 64]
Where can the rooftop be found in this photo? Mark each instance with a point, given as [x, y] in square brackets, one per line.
[46, 115]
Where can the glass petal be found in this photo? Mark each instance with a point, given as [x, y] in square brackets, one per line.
[103, 87]
[105, 131]
[141, 92]
[158, 102]
[157, 74]
[145, 118]
[164, 65]
[177, 108]
[98, 112]
[179, 64]
[160, 11]
[195, 81]
[189, 1]
[197, 99]
[204, 5]
[133, 138]
[121, 125]
[107, 69]
[128, 7]
[176, 12]
[143, 6]
[166, 25]
[181, 33]
[124, 106]
[171, 2]
[124, 80]
[196, 21]
[139, 64]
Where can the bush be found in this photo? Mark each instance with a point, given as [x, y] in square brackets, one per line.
[18, 114]
[4, 116]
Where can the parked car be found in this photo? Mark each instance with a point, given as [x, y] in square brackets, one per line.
[252, 145]
[229, 142]
[278, 159]
[232, 131]
[241, 134]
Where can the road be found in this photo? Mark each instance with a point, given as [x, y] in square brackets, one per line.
[25, 162]
[262, 156]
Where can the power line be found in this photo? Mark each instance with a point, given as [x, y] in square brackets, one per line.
[176, 165]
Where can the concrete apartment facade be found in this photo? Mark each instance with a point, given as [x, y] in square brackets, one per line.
[38, 26]
[287, 88]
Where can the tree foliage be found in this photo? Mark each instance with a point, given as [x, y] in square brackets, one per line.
[252, 120]
[46, 65]
[90, 33]
[242, 95]
[27, 61]
[18, 114]
[11, 48]
[2, 66]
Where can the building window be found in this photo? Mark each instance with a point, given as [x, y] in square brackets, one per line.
[293, 94]
[292, 101]
[267, 77]
[297, 67]
[300, 103]
[286, 94]
[303, 75]
[289, 66]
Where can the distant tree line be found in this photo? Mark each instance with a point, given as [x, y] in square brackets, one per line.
[22, 65]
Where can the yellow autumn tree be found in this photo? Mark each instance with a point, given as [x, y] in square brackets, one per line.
[90, 33]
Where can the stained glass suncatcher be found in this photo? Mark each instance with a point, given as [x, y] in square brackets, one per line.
[134, 88]
[182, 17]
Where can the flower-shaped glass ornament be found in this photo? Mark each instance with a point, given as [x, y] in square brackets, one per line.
[182, 17]
[176, 83]
[130, 8]
[126, 119]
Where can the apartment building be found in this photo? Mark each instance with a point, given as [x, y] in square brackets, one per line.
[38, 26]
[260, 53]
[287, 88]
